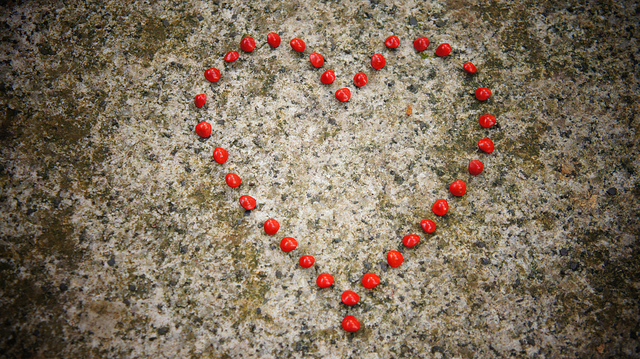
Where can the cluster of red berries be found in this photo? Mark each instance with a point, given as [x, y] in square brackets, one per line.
[271, 226]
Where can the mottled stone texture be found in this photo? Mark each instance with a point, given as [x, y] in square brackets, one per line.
[119, 238]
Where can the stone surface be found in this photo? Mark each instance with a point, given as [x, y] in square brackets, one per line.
[119, 237]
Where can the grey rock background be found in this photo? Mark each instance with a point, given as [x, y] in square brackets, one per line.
[119, 238]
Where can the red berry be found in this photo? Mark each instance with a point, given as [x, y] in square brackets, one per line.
[247, 202]
[271, 226]
[475, 167]
[394, 258]
[231, 56]
[483, 93]
[248, 44]
[443, 50]
[360, 79]
[203, 129]
[350, 324]
[428, 225]
[307, 261]
[487, 121]
[287, 244]
[328, 77]
[220, 155]
[325, 280]
[297, 45]
[343, 94]
[316, 59]
[441, 207]
[458, 188]
[200, 100]
[421, 43]
[410, 240]
[469, 68]
[273, 39]
[392, 42]
[486, 145]
[233, 180]
[378, 61]
[212, 74]
[370, 280]
[350, 297]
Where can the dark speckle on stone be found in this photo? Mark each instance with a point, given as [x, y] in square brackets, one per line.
[336, 240]
[259, 311]
[573, 265]
[563, 251]
[132, 287]
[183, 249]
[111, 262]
[612, 191]
[63, 287]
[200, 18]
[485, 261]
[163, 330]
[480, 244]
[278, 274]
[413, 21]
[412, 88]
[439, 23]
[165, 22]
[332, 121]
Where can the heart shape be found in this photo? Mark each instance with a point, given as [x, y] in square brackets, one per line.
[439, 208]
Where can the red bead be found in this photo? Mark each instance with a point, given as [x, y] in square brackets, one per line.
[350, 324]
[487, 121]
[486, 145]
[316, 59]
[212, 74]
[203, 129]
[297, 45]
[441, 207]
[350, 297]
[247, 202]
[233, 180]
[273, 39]
[378, 61]
[458, 188]
[360, 79]
[475, 167]
[271, 226]
[328, 77]
[410, 240]
[343, 94]
[248, 44]
[483, 93]
[469, 68]
[394, 258]
[307, 261]
[370, 280]
[428, 225]
[325, 280]
[392, 42]
[200, 100]
[443, 50]
[287, 244]
[220, 155]
[231, 56]
[421, 43]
